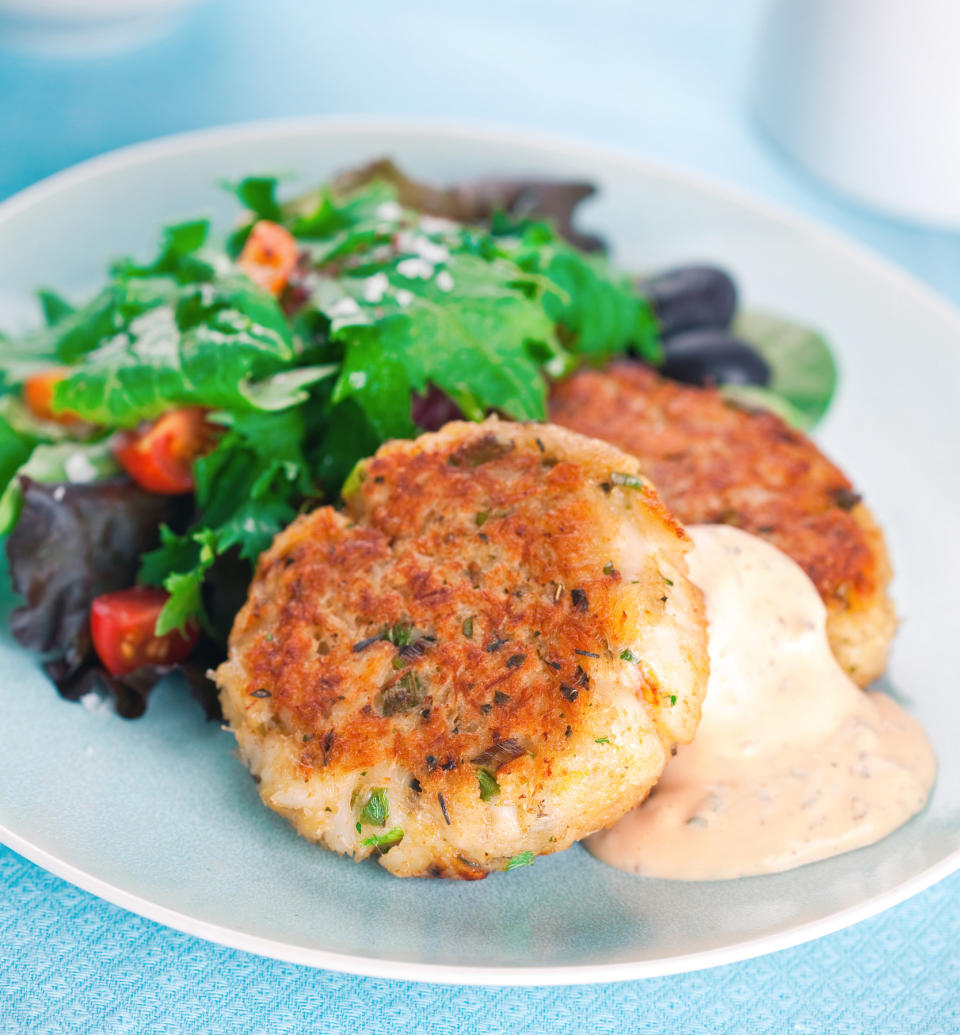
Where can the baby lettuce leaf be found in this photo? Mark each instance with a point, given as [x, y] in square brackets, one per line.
[478, 201]
[130, 692]
[55, 462]
[15, 447]
[599, 312]
[483, 342]
[208, 345]
[802, 368]
[72, 543]
[53, 306]
[248, 488]
[71, 333]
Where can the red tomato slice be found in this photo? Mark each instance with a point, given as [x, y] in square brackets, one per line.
[160, 456]
[122, 626]
[38, 395]
[269, 256]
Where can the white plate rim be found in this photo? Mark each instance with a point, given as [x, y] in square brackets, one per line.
[570, 147]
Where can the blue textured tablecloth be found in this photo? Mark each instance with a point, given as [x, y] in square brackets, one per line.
[666, 80]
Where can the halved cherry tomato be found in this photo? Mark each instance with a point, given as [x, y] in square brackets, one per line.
[122, 626]
[38, 395]
[160, 456]
[269, 256]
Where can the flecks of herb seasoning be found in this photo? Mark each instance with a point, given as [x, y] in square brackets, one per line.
[443, 808]
[602, 740]
[627, 655]
[415, 785]
[523, 859]
[846, 499]
[516, 660]
[499, 697]
[579, 599]
[669, 582]
[403, 695]
[673, 700]
[489, 788]
[377, 809]
[467, 627]
[609, 569]
[480, 451]
[494, 645]
[627, 481]
[481, 518]
[363, 644]
[586, 653]
[417, 648]
[569, 692]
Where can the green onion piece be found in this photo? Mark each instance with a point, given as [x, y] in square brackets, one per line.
[627, 655]
[467, 627]
[377, 809]
[523, 859]
[384, 841]
[489, 788]
[627, 481]
[609, 569]
[602, 740]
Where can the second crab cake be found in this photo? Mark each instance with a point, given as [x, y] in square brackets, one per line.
[487, 656]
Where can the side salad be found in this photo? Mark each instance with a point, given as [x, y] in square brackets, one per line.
[155, 438]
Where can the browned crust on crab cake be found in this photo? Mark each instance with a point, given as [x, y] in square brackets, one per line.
[500, 597]
[715, 462]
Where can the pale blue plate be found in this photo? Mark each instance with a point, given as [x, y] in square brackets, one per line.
[157, 816]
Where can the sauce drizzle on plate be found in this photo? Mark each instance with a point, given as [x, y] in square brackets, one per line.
[792, 762]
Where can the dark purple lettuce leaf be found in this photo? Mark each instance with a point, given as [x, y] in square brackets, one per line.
[476, 201]
[433, 409]
[130, 692]
[72, 543]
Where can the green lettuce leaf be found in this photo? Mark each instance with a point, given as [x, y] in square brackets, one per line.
[802, 369]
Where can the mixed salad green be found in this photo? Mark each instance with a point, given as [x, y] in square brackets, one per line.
[161, 433]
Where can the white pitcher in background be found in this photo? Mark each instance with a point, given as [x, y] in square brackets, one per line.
[866, 94]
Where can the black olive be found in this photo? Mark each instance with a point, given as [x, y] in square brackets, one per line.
[691, 296]
[713, 357]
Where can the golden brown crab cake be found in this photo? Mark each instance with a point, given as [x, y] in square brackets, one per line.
[714, 462]
[490, 653]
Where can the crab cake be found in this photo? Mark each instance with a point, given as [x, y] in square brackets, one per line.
[715, 462]
[490, 653]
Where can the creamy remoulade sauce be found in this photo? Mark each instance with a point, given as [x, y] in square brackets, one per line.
[792, 762]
